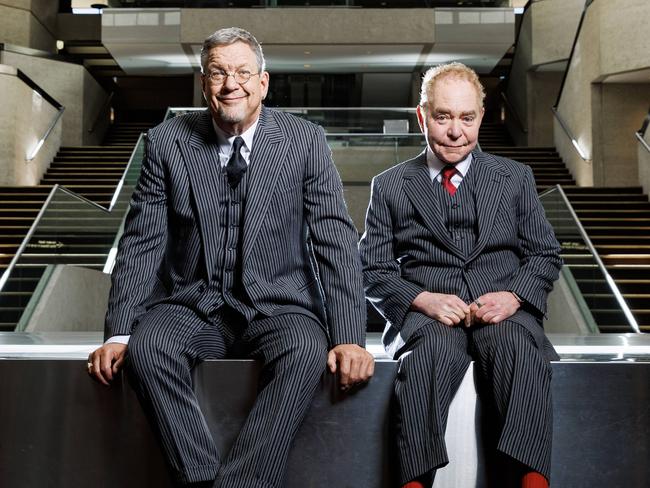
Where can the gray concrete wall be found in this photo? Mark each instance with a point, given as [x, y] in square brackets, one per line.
[613, 41]
[616, 112]
[543, 87]
[546, 36]
[29, 23]
[566, 309]
[68, 299]
[410, 26]
[74, 88]
[26, 118]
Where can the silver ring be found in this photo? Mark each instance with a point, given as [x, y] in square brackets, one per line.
[478, 303]
[90, 365]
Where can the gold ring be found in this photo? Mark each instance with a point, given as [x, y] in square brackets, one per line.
[90, 365]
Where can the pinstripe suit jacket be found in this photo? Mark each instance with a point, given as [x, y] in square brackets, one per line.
[406, 248]
[299, 244]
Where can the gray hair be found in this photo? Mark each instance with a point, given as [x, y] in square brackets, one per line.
[449, 70]
[231, 35]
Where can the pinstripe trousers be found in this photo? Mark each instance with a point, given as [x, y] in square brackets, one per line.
[171, 339]
[513, 379]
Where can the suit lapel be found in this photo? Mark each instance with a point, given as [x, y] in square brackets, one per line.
[419, 190]
[488, 186]
[266, 164]
[201, 158]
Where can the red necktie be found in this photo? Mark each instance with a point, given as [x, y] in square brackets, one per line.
[446, 174]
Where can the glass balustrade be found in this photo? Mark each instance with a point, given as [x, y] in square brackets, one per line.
[68, 230]
[346, 120]
[594, 291]
[73, 230]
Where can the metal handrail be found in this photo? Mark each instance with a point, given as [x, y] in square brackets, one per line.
[120, 184]
[373, 134]
[645, 125]
[112, 254]
[512, 110]
[640, 134]
[57, 187]
[642, 141]
[48, 98]
[610, 281]
[23, 245]
[107, 104]
[567, 131]
[306, 109]
[30, 233]
[32, 154]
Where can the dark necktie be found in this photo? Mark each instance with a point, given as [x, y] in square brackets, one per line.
[446, 174]
[236, 166]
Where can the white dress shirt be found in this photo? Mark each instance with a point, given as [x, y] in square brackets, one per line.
[436, 166]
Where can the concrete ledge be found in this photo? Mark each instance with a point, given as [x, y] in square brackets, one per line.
[59, 429]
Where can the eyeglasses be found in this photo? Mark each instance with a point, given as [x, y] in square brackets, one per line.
[219, 77]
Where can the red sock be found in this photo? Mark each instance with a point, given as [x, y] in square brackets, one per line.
[413, 484]
[533, 479]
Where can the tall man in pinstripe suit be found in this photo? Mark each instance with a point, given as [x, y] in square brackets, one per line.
[459, 258]
[237, 242]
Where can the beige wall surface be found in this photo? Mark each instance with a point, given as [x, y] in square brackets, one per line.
[543, 87]
[546, 36]
[580, 169]
[14, 25]
[29, 23]
[411, 25]
[554, 25]
[617, 112]
[27, 117]
[73, 87]
[623, 26]
[613, 40]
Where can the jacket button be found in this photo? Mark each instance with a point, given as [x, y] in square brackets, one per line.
[201, 288]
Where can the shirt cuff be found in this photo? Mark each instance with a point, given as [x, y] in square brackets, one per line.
[118, 339]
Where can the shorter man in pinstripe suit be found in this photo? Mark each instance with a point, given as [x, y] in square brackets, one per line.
[237, 243]
[459, 258]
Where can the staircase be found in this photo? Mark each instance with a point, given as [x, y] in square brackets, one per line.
[617, 221]
[81, 235]
[125, 134]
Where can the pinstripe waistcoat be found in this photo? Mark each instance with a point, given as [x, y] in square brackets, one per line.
[298, 249]
[407, 249]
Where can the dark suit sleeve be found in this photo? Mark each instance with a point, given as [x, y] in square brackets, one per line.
[334, 240]
[540, 251]
[390, 294]
[141, 247]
